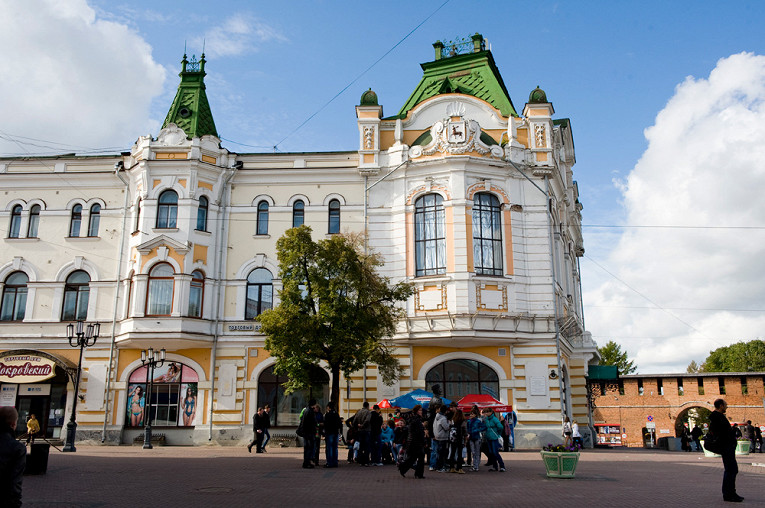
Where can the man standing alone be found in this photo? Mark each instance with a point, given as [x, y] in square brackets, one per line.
[722, 431]
[13, 458]
[332, 428]
[308, 423]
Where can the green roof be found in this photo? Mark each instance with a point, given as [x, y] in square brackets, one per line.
[190, 110]
[473, 74]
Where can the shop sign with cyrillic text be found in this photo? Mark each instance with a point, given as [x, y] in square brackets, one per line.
[26, 369]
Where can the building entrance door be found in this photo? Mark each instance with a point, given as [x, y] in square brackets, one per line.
[36, 405]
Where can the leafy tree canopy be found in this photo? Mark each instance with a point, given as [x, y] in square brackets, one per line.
[693, 367]
[612, 354]
[334, 307]
[738, 357]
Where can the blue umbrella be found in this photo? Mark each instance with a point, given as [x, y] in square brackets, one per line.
[411, 399]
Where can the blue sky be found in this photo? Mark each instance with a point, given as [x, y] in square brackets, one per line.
[96, 74]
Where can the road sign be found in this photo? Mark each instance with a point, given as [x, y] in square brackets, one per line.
[649, 418]
[650, 425]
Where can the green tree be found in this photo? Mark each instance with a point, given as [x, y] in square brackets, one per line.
[738, 357]
[612, 354]
[693, 367]
[334, 306]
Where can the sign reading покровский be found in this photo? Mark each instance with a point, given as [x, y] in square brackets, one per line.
[25, 369]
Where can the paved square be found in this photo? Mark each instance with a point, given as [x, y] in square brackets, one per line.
[97, 476]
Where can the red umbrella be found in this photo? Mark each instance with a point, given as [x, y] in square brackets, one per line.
[484, 400]
[384, 404]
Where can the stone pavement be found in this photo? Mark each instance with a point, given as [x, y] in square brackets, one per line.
[204, 476]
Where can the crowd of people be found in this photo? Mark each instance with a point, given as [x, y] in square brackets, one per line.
[443, 437]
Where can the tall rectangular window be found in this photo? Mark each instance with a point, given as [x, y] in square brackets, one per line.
[721, 384]
[680, 390]
[700, 381]
[429, 235]
[487, 235]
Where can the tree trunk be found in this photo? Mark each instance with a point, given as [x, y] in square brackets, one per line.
[334, 395]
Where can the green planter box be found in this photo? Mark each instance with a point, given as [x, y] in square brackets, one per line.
[742, 447]
[560, 464]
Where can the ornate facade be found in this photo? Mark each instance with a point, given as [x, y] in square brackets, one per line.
[173, 245]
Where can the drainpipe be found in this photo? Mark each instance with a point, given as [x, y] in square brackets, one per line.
[550, 223]
[221, 249]
[119, 165]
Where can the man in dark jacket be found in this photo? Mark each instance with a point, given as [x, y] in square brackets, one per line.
[375, 430]
[363, 420]
[260, 422]
[415, 445]
[332, 427]
[308, 420]
[13, 458]
[722, 431]
[696, 434]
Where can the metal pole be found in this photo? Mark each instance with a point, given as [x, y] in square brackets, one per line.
[71, 427]
[147, 406]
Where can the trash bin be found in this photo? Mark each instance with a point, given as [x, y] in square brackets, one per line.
[675, 444]
[37, 459]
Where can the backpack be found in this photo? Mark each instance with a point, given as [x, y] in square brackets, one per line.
[301, 429]
[453, 434]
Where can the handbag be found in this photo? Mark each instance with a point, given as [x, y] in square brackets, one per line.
[713, 443]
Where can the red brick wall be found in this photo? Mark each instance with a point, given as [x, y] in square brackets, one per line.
[630, 410]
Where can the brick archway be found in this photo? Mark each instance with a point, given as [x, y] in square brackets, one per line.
[693, 414]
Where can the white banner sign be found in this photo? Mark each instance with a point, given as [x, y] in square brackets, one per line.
[8, 395]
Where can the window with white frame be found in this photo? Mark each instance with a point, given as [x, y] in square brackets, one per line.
[76, 295]
[34, 221]
[14, 297]
[298, 213]
[262, 225]
[167, 210]
[14, 228]
[334, 217]
[196, 293]
[202, 213]
[76, 221]
[429, 235]
[159, 300]
[94, 220]
[487, 235]
[260, 291]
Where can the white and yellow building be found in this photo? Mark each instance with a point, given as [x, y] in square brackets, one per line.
[173, 245]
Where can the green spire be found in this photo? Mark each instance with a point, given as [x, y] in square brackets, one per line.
[190, 110]
[465, 67]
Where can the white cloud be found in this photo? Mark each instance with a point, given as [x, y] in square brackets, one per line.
[704, 168]
[237, 35]
[72, 78]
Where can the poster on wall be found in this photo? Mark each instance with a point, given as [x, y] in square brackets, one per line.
[173, 399]
[8, 395]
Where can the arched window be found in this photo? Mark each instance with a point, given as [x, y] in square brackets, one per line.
[262, 218]
[463, 377]
[159, 301]
[14, 297]
[429, 235]
[95, 219]
[76, 221]
[76, 294]
[174, 396]
[196, 293]
[34, 221]
[167, 210]
[15, 226]
[487, 235]
[298, 213]
[137, 224]
[334, 217]
[285, 409]
[259, 292]
[202, 214]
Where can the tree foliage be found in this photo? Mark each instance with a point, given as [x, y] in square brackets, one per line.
[612, 354]
[693, 367]
[738, 357]
[334, 307]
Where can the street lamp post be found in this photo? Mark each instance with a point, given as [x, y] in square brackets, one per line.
[81, 339]
[150, 359]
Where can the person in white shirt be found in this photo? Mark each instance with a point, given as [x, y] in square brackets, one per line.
[575, 435]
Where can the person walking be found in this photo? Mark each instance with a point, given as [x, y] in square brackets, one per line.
[13, 458]
[259, 424]
[722, 431]
[33, 428]
[332, 428]
[308, 429]
[752, 436]
[414, 449]
[493, 433]
[266, 433]
[363, 423]
[758, 436]
[375, 433]
[576, 437]
[567, 432]
[696, 434]
[441, 437]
